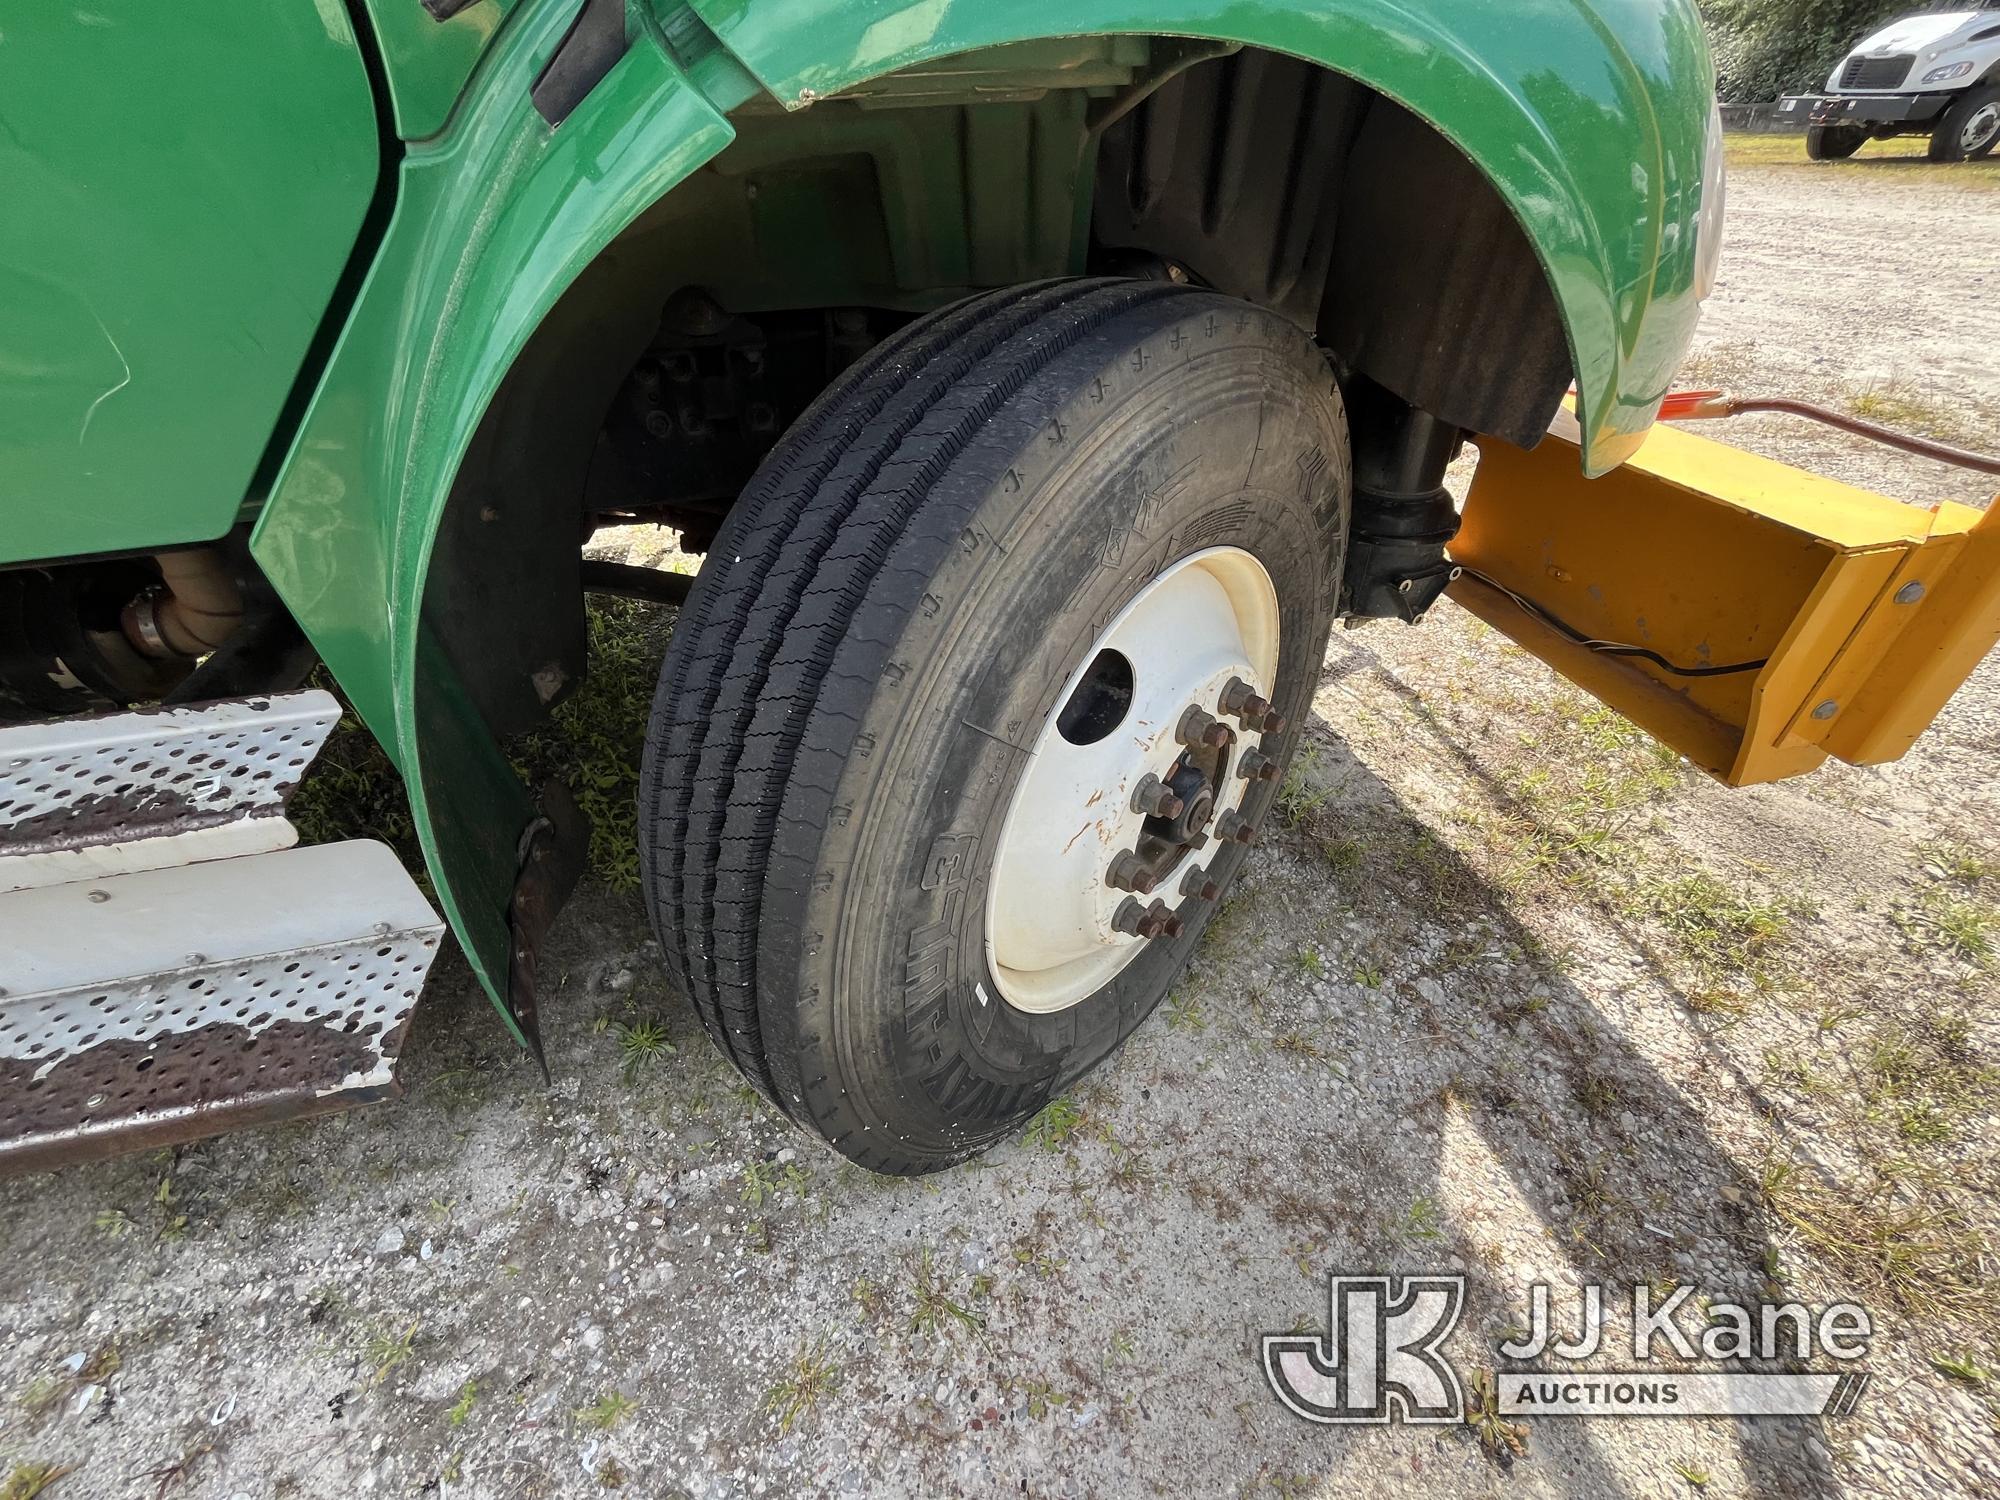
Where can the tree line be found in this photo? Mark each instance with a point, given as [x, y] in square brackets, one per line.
[1765, 48]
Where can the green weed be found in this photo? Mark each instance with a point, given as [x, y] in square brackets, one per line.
[808, 1380]
[607, 1411]
[1059, 1122]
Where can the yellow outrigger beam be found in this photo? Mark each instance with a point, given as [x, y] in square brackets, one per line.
[1796, 617]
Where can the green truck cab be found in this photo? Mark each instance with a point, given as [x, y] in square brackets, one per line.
[1039, 380]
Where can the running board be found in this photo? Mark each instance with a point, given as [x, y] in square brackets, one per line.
[158, 983]
[114, 793]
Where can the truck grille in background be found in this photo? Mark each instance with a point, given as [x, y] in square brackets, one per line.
[1876, 72]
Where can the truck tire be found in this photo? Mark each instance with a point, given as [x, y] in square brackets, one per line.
[1833, 142]
[987, 584]
[1970, 127]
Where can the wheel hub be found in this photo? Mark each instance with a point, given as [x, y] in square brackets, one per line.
[1145, 764]
[1980, 127]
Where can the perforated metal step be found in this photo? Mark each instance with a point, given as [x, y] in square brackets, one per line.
[112, 793]
[163, 1005]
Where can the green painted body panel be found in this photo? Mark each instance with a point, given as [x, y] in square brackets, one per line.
[183, 186]
[493, 219]
[1589, 118]
[427, 61]
[1587, 115]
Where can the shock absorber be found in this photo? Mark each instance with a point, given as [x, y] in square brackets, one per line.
[1404, 517]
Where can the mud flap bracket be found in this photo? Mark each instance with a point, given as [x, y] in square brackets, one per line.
[553, 849]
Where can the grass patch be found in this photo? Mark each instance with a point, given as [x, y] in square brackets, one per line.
[1300, 797]
[1944, 917]
[389, 1352]
[1964, 1369]
[1899, 1233]
[592, 743]
[765, 1182]
[1921, 1086]
[26, 1481]
[607, 1411]
[595, 738]
[1957, 862]
[1588, 777]
[353, 791]
[935, 1310]
[809, 1379]
[640, 1045]
[1059, 1122]
[1901, 160]
[1909, 406]
[1501, 1437]
[1720, 929]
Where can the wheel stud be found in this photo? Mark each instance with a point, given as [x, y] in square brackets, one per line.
[1196, 886]
[1241, 702]
[1129, 873]
[1233, 825]
[1274, 723]
[1257, 766]
[1197, 729]
[1152, 798]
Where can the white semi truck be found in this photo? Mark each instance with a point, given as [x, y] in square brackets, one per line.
[1936, 71]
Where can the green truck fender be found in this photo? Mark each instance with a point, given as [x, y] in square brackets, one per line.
[1587, 118]
[425, 61]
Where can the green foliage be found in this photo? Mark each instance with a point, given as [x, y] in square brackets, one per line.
[26, 1481]
[594, 740]
[1059, 1122]
[592, 743]
[353, 791]
[807, 1381]
[1764, 48]
[640, 1044]
[607, 1411]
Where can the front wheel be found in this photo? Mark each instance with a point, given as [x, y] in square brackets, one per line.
[1970, 128]
[981, 697]
[1833, 142]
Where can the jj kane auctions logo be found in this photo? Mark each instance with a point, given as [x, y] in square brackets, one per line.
[1381, 1358]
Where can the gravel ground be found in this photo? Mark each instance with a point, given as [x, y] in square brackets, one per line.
[1510, 993]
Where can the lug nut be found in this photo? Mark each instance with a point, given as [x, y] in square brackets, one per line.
[1196, 886]
[1233, 825]
[1152, 798]
[1129, 918]
[1199, 729]
[1242, 702]
[1129, 873]
[1257, 766]
[1159, 921]
[1245, 705]
[1274, 723]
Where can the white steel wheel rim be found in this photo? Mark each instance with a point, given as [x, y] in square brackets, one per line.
[1980, 128]
[1050, 939]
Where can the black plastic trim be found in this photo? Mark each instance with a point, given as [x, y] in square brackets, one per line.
[595, 41]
